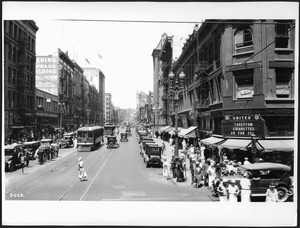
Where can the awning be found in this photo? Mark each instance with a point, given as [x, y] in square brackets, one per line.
[211, 140]
[240, 144]
[172, 132]
[169, 129]
[164, 128]
[188, 133]
[270, 145]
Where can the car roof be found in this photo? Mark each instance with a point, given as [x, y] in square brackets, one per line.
[31, 142]
[266, 166]
[12, 146]
[111, 136]
[46, 140]
[154, 145]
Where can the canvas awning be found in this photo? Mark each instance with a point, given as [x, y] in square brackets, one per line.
[188, 132]
[270, 145]
[172, 132]
[240, 144]
[211, 140]
[164, 128]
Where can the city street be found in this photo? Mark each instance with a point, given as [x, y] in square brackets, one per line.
[116, 174]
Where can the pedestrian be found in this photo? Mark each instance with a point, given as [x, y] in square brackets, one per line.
[272, 194]
[165, 169]
[211, 171]
[202, 148]
[246, 161]
[163, 146]
[222, 191]
[233, 191]
[198, 175]
[205, 166]
[81, 172]
[27, 157]
[245, 188]
[171, 141]
[192, 169]
[172, 164]
[191, 150]
[183, 144]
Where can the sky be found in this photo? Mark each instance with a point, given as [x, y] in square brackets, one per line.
[127, 64]
[125, 47]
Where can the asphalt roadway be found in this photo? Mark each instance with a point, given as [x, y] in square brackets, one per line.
[117, 174]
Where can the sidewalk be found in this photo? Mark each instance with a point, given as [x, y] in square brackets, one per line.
[168, 155]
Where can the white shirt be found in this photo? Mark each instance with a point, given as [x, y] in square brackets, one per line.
[245, 183]
[247, 162]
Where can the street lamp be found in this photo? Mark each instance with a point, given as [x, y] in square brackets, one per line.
[175, 89]
[61, 110]
[88, 116]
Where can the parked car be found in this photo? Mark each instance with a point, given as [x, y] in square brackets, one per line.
[153, 155]
[124, 137]
[47, 150]
[67, 140]
[262, 175]
[31, 148]
[13, 154]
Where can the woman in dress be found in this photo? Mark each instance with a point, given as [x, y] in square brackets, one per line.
[233, 192]
[272, 194]
[246, 188]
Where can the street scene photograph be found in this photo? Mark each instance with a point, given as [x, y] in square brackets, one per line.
[143, 113]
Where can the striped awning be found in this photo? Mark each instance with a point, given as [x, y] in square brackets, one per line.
[188, 133]
[211, 140]
[240, 144]
[163, 129]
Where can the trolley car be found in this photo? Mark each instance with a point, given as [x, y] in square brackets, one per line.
[88, 138]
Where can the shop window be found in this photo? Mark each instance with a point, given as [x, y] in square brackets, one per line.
[244, 84]
[243, 40]
[282, 36]
[283, 83]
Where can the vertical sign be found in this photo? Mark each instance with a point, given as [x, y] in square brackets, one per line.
[47, 78]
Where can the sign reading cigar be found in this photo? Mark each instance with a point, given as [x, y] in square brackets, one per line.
[243, 126]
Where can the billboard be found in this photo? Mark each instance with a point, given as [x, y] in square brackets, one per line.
[47, 74]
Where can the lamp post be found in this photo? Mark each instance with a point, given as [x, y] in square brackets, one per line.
[61, 111]
[175, 89]
[88, 116]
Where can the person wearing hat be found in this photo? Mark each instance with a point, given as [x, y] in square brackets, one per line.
[246, 162]
[246, 188]
[233, 191]
[222, 191]
[81, 172]
[272, 194]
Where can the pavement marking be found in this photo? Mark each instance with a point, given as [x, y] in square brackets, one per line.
[95, 177]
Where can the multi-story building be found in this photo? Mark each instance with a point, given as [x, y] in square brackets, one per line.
[239, 85]
[96, 77]
[19, 77]
[78, 98]
[108, 108]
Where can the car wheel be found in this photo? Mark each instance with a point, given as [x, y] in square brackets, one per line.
[282, 193]
[11, 167]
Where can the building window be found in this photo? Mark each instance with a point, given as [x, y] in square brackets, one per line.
[9, 51]
[282, 35]
[243, 40]
[11, 28]
[244, 84]
[283, 83]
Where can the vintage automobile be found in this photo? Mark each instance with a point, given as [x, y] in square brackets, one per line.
[264, 173]
[13, 156]
[112, 141]
[67, 141]
[142, 134]
[31, 147]
[142, 152]
[124, 137]
[47, 151]
[153, 155]
[145, 149]
[128, 131]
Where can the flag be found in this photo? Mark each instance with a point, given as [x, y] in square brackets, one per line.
[87, 61]
[100, 56]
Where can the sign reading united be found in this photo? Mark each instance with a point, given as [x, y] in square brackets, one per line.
[243, 126]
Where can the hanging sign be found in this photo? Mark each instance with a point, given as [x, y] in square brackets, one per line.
[243, 126]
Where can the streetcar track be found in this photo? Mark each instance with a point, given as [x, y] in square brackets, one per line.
[54, 167]
[77, 181]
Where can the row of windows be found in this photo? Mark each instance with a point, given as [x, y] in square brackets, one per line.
[19, 34]
[18, 100]
[15, 54]
[15, 77]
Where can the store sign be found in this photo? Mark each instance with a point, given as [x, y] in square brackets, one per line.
[244, 92]
[47, 74]
[243, 126]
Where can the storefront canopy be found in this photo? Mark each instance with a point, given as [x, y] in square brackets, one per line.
[240, 144]
[172, 131]
[164, 128]
[276, 145]
[211, 140]
[188, 133]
